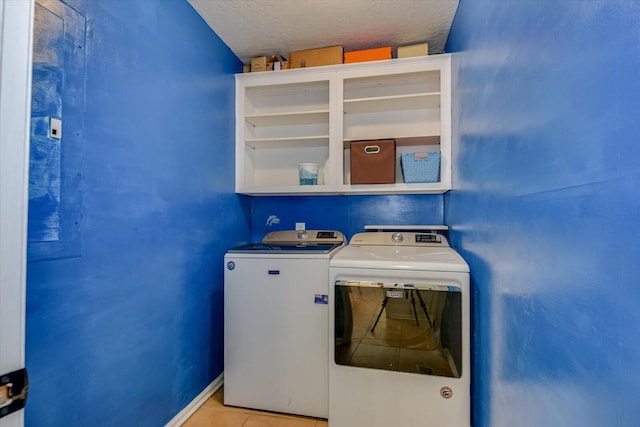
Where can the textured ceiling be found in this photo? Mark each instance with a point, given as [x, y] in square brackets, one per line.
[262, 27]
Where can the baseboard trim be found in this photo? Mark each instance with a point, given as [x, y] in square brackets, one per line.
[193, 406]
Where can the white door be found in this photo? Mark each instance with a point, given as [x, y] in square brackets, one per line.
[16, 23]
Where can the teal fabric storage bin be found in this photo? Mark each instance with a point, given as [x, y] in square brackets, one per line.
[421, 167]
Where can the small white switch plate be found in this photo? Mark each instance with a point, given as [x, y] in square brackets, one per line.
[55, 128]
[300, 225]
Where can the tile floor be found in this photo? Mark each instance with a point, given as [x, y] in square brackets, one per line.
[213, 413]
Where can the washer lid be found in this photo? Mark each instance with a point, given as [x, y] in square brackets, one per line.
[284, 249]
[294, 242]
[432, 258]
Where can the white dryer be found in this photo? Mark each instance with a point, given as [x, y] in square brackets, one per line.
[399, 332]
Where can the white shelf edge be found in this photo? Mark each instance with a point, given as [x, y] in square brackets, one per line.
[294, 113]
[299, 117]
[288, 190]
[397, 188]
[282, 191]
[392, 97]
[332, 190]
[287, 138]
[388, 104]
[346, 142]
[286, 141]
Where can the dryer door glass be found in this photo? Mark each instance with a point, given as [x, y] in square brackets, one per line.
[399, 327]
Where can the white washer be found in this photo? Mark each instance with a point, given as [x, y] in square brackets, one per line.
[399, 340]
[276, 322]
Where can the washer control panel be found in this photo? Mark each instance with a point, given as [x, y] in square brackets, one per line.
[293, 237]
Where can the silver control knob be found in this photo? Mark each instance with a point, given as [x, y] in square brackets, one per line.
[397, 237]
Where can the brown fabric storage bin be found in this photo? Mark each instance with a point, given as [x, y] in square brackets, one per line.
[373, 162]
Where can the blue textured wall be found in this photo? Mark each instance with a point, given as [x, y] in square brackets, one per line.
[348, 214]
[544, 210]
[545, 207]
[130, 331]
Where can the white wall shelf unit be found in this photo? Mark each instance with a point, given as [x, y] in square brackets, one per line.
[288, 117]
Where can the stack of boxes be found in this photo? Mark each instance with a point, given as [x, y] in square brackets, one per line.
[330, 56]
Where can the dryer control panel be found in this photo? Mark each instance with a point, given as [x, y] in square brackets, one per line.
[397, 238]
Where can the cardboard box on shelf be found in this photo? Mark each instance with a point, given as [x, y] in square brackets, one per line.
[246, 68]
[267, 63]
[316, 57]
[368, 55]
[420, 49]
[259, 63]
